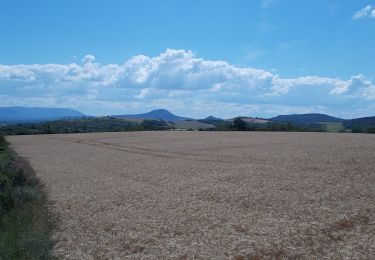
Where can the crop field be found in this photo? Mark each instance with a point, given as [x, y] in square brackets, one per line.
[216, 195]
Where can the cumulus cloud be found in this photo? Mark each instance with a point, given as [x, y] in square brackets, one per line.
[88, 58]
[358, 87]
[176, 77]
[368, 11]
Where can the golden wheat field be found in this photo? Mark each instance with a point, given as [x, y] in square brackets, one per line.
[208, 195]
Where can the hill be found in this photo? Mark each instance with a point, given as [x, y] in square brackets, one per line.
[306, 118]
[212, 118]
[158, 114]
[363, 121]
[10, 115]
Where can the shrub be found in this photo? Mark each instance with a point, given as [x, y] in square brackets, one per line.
[24, 221]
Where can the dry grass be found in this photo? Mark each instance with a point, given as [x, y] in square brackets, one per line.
[220, 195]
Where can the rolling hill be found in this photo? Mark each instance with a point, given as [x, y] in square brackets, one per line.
[158, 114]
[306, 118]
[212, 118]
[33, 114]
[361, 122]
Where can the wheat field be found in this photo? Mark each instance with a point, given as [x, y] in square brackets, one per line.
[208, 195]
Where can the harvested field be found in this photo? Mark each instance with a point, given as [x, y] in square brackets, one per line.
[218, 195]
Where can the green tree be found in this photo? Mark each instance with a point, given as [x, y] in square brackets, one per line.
[239, 124]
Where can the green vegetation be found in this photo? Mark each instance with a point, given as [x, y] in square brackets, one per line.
[25, 226]
[363, 129]
[361, 125]
[154, 125]
[85, 125]
[192, 125]
[111, 124]
[240, 125]
[333, 126]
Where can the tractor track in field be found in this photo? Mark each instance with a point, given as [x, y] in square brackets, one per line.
[147, 152]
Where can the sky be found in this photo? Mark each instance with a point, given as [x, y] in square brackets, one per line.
[193, 57]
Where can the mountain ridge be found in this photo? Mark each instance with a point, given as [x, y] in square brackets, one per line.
[360, 122]
[18, 114]
[32, 114]
[308, 118]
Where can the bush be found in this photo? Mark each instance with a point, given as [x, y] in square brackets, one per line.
[24, 221]
[239, 124]
[358, 129]
[154, 125]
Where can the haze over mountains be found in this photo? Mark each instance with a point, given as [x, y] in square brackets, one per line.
[32, 114]
[10, 115]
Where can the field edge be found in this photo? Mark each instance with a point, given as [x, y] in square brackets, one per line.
[26, 224]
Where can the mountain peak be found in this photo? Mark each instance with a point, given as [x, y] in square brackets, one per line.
[160, 111]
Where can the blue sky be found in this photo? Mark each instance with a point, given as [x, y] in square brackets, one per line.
[195, 58]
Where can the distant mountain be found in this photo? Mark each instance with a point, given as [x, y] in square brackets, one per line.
[306, 118]
[361, 122]
[32, 114]
[158, 114]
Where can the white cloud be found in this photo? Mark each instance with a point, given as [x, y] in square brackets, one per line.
[176, 77]
[357, 86]
[368, 11]
[88, 59]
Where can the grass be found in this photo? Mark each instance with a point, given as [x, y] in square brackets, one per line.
[25, 225]
[333, 126]
[193, 125]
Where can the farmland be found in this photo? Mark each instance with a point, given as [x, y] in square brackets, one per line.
[244, 195]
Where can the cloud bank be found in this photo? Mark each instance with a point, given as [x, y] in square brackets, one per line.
[182, 82]
[368, 11]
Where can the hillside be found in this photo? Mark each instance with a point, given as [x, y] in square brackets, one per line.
[158, 114]
[32, 114]
[363, 122]
[306, 118]
[212, 118]
[81, 125]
